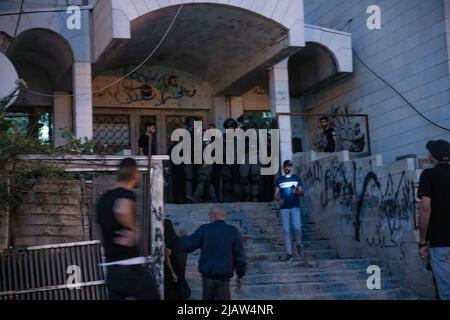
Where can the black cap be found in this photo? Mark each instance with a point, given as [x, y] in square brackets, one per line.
[287, 163]
[440, 150]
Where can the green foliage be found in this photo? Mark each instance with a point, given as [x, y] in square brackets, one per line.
[75, 146]
[18, 177]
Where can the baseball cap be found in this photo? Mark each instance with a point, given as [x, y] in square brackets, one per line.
[287, 163]
[439, 149]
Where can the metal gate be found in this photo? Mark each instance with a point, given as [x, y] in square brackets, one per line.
[69, 271]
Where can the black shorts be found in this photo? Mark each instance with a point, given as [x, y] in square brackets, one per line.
[133, 281]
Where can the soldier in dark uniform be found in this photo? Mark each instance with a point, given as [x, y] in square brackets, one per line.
[205, 188]
[230, 172]
[249, 173]
[189, 169]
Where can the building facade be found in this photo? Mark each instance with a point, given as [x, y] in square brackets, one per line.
[108, 67]
[410, 52]
[209, 59]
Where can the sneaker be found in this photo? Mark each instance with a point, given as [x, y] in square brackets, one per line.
[289, 258]
[299, 249]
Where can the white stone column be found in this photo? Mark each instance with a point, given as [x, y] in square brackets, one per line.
[62, 117]
[82, 100]
[280, 103]
[220, 111]
[157, 224]
[237, 107]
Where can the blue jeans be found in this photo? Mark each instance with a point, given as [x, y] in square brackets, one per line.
[286, 216]
[440, 262]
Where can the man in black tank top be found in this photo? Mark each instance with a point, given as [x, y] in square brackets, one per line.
[127, 276]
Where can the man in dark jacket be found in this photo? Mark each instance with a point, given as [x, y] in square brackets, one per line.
[222, 253]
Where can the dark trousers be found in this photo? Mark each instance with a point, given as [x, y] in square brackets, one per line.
[216, 289]
[131, 282]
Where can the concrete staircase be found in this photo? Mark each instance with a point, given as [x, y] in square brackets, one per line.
[318, 274]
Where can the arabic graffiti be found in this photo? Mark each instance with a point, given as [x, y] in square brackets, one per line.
[382, 206]
[396, 206]
[149, 86]
[338, 185]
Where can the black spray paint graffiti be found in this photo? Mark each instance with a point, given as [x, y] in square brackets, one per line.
[312, 174]
[396, 204]
[158, 246]
[395, 201]
[337, 185]
[151, 86]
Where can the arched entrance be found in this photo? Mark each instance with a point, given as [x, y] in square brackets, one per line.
[117, 15]
[226, 48]
[44, 60]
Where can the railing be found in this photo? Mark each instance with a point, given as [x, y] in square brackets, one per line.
[44, 273]
[40, 273]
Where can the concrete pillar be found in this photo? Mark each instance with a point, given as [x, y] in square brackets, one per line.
[82, 100]
[236, 107]
[157, 223]
[280, 103]
[220, 113]
[62, 117]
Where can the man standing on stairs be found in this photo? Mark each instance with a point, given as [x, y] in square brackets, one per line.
[288, 189]
[434, 190]
[222, 252]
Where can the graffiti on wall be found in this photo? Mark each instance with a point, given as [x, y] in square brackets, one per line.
[351, 130]
[396, 208]
[147, 85]
[337, 185]
[157, 234]
[382, 206]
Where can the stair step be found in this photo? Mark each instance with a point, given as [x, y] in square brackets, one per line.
[277, 228]
[308, 236]
[314, 264]
[310, 289]
[251, 246]
[388, 294]
[318, 274]
[309, 254]
[290, 277]
[330, 266]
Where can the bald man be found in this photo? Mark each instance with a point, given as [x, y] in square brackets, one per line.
[222, 253]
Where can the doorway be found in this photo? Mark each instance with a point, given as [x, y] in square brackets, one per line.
[120, 129]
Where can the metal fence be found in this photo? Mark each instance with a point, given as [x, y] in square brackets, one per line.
[45, 273]
[41, 272]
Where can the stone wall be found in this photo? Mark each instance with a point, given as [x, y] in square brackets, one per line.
[368, 210]
[52, 212]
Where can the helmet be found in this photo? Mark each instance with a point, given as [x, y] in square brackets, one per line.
[245, 118]
[247, 121]
[189, 123]
[230, 124]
